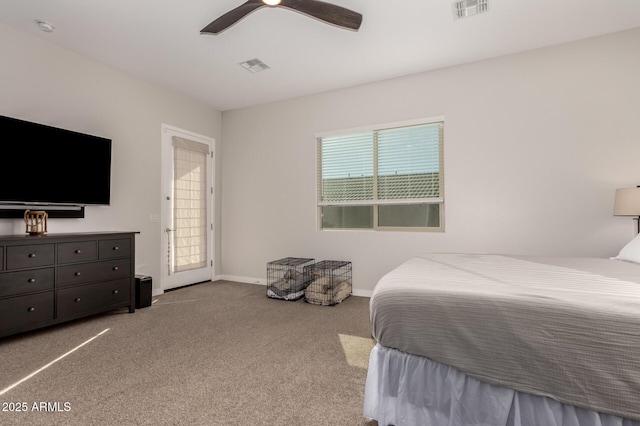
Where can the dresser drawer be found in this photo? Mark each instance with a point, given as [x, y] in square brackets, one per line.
[30, 256]
[26, 310]
[1, 258]
[109, 249]
[77, 251]
[76, 301]
[26, 281]
[81, 273]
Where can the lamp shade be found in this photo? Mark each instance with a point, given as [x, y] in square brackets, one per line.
[627, 202]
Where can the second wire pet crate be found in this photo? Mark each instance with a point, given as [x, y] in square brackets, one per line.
[330, 282]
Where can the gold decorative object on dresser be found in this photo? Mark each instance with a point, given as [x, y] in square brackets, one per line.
[35, 221]
[62, 277]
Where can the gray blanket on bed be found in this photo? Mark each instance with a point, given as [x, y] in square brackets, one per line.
[529, 324]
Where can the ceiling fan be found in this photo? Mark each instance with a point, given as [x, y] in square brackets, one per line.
[327, 12]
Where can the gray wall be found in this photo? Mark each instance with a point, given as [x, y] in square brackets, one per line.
[535, 146]
[46, 84]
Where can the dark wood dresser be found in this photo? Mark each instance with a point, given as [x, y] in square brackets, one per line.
[54, 278]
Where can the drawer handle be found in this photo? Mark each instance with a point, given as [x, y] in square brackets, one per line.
[115, 291]
[31, 280]
[116, 248]
[32, 255]
[77, 274]
[78, 251]
[31, 309]
[115, 268]
[77, 299]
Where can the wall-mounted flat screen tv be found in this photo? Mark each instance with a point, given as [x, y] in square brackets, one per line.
[50, 165]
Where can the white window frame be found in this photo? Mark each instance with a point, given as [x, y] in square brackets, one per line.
[376, 227]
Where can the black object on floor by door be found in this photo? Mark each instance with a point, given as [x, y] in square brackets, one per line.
[143, 291]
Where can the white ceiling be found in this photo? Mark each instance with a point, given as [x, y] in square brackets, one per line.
[160, 40]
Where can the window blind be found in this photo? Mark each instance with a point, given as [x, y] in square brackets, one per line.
[409, 162]
[389, 166]
[346, 169]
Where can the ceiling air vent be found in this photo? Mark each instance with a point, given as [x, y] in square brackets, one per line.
[464, 8]
[254, 65]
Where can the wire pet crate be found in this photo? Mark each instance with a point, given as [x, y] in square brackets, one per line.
[286, 278]
[330, 282]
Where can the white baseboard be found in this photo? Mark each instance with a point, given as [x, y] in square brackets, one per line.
[362, 293]
[248, 280]
[262, 281]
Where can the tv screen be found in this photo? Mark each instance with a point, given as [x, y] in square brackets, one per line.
[52, 165]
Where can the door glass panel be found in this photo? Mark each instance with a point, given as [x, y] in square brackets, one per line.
[189, 208]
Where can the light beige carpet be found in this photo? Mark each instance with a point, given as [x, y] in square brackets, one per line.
[217, 353]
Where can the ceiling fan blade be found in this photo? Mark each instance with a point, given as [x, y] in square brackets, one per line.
[326, 12]
[233, 16]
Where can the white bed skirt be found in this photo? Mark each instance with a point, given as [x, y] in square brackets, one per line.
[410, 390]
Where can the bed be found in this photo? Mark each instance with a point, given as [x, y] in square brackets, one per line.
[487, 339]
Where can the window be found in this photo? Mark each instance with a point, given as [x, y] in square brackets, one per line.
[382, 179]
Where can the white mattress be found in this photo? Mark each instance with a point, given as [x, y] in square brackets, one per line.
[565, 328]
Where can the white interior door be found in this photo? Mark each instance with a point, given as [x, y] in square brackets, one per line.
[187, 224]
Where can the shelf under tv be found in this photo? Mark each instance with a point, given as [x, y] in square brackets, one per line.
[16, 211]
